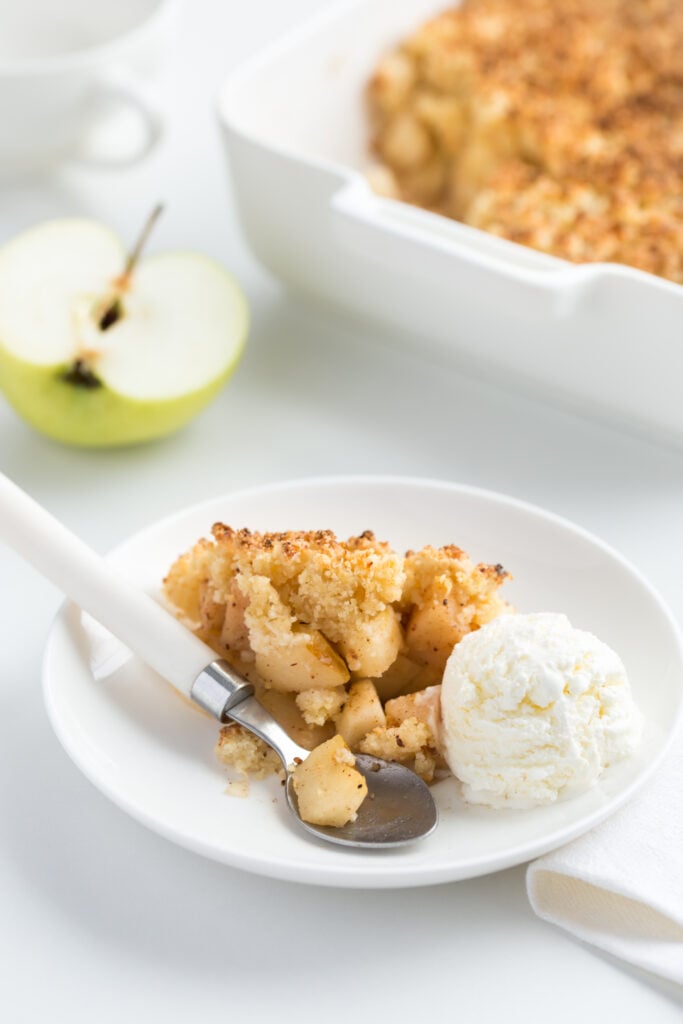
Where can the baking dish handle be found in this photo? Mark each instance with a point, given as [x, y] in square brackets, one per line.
[413, 243]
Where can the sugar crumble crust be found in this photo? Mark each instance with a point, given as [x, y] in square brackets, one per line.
[554, 125]
[341, 638]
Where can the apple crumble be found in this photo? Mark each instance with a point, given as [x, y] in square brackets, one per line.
[555, 125]
[344, 641]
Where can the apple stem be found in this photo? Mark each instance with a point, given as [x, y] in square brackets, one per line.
[112, 310]
[140, 244]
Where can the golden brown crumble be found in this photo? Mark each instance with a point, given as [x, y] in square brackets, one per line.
[321, 706]
[344, 638]
[240, 749]
[444, 597]
[556, 125]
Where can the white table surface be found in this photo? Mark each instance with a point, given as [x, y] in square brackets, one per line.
[103, 921]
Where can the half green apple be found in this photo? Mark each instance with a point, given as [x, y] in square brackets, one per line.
[93, 356]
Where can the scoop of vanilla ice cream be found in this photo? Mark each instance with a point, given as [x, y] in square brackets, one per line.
[533, 710]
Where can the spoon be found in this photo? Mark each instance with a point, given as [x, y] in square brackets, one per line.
[399, 807]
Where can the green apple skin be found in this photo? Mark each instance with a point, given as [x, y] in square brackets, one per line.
[97, 417]
[104, 416]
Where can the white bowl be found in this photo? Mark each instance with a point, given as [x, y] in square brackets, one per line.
[151, 752]
[600, 337]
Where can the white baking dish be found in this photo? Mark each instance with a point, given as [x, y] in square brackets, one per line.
[607, 338]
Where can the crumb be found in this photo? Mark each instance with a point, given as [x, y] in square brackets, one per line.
[320, 706]
[240, 749]
[239, 788]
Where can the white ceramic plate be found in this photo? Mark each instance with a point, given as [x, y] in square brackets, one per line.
[152, 753]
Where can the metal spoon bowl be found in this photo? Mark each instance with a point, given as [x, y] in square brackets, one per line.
[397, 810]
[399, 807]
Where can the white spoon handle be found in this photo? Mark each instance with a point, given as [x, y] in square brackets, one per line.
[131, 615]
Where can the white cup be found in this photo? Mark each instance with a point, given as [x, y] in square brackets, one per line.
[65, 65]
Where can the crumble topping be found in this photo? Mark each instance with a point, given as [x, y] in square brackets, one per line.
[555, 125]
[343, 641]
[321, 706]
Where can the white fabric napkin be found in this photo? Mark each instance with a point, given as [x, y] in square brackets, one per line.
[620, 887]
